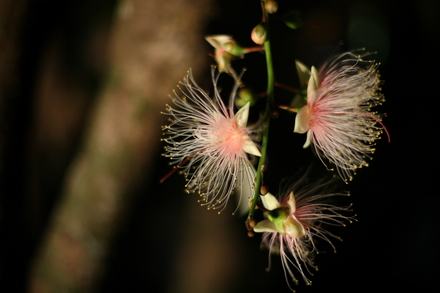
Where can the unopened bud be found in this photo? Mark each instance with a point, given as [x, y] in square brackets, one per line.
[245, 95]
[218, 41]
[271, 6]
[263, 190]
[225, 50]
[234, 49]
[259, 34]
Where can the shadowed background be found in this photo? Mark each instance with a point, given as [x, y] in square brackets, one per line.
[82, 85]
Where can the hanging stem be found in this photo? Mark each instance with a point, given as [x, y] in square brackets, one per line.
[270, 101]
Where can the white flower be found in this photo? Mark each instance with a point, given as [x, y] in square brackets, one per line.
[338, 118]
[226, 50]
[295, 220]
[284, 222]
[210, 143]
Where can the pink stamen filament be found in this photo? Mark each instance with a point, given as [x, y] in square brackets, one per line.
[186, 160]
[375, 118]
[288, 108]
[180, 165]
[175, 169]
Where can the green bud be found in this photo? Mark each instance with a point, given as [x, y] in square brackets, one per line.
[259, 34]
[245, 95]
[271, 6]
[234, 49]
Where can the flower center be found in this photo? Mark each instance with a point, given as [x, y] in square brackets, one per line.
[285, 222]
[229, 138]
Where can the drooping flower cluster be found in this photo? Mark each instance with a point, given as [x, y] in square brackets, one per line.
[210, 143]
[338, 117]
[296, 220]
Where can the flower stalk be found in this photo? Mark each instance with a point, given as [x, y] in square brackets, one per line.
[270, 101]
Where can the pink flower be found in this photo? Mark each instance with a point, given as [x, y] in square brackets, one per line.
[210, 143]
[337, 117]
[295, 220]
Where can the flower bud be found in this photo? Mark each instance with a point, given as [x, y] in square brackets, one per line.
[226, 50]
[218, 41]
[245, 95]
[259, 34]
[271, 6]
[234, 49]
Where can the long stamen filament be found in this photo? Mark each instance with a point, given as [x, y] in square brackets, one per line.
[183, 163]
[375, 118]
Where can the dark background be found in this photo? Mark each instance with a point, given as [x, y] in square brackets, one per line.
[394, 246]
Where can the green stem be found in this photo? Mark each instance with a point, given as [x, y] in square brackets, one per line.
[270, 100]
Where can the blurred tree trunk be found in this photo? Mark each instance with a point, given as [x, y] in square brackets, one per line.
[12, 25]
[153, 43]
[12, 15]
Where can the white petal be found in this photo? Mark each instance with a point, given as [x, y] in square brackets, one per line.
[315, 74]
[218, 41]
[292, 202]
[312, 87]
[302, 120]
[270, 202]
[265, 226]
[309, 139]
[241, 117]
[250, 147]
[245, 188]
[223, 60]
[303, 72]
[294, 228]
